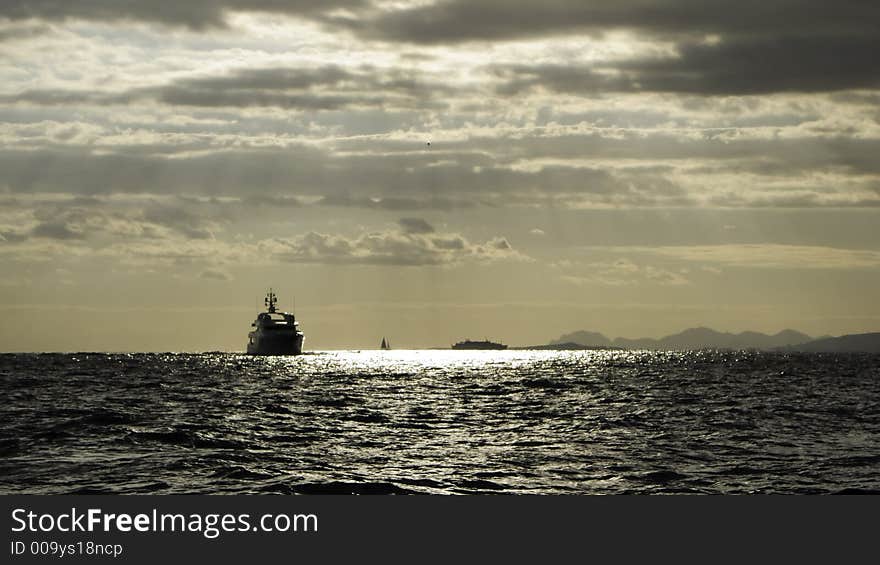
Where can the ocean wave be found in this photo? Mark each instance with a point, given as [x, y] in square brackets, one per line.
[522, 422]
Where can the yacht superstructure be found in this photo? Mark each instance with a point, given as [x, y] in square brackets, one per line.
[275, 333]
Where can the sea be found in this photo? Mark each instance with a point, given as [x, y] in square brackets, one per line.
[441, 422]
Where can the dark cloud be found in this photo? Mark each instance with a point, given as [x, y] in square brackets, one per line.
[322, 88]
[395, 181]
[762, 47]
[56, 230]
[245, 98]
[487, 20]
[63, 97]
[265, 87]
[454, 243]
[51, 97]
[785, 45]
[179, 219]
[803, 64]
[194, 14]
[415, 225]
[473, 172]
[464, 20]
[274, 200]
[12, 236]
[62, 221]
[107, 219]
[739, 66]
[281, 78]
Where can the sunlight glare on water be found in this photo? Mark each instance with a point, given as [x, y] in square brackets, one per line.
[441, 421]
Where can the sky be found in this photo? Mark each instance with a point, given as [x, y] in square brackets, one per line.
[435, 170]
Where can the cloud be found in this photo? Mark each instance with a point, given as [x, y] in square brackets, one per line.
[81, 219]
[55, 97]
[305, 169]
[415, 225]
[56, 230]
[12, 235]
[322, 88]
[63, 223]
[179, 219]
[225, 114]
[22, 31]
[215, 274]
[388, 248]
[452, 21]
[700, 172]
[397, 203]
[274, 200]
[392, 181]
[194, 14]
[665, 277]
[328, 87]
[762, 256]
[561, 166]
[736, 66]
[178, 231]
[800, 199]
[620, 272]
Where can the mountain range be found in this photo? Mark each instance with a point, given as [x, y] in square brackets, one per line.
[853, 343]
[707, 338]
[693, 338]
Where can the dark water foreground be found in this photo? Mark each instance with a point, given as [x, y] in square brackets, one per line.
[440, 422]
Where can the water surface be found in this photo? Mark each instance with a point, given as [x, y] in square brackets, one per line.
[444, 422]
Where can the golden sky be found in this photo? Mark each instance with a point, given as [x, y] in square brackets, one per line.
[435, 170]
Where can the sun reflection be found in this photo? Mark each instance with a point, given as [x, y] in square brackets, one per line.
[418, 361]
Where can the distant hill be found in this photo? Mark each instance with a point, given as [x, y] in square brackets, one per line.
[853, 343]
[589, 339]
[555, 346]
[693, 338]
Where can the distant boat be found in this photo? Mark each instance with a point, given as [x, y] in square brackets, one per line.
[275, 333]
[385, 346]
[485, 344]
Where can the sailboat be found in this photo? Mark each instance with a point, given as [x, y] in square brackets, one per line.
[385, 346]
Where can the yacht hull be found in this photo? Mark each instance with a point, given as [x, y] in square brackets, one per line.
[275, 343]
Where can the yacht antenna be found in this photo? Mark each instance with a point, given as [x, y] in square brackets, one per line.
[270, 301]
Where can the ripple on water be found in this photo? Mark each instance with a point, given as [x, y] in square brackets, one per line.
[441, 422]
